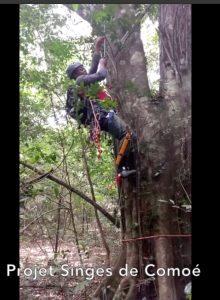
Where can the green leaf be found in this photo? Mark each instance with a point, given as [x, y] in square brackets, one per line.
[108, 104]
[75, 7]
[53, 157]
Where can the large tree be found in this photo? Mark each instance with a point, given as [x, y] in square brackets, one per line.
[149, 201]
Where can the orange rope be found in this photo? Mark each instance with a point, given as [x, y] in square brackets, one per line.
[157, 236]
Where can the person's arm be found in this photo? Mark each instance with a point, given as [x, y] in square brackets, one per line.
[92, 78]
[95, 62]
[96, 56]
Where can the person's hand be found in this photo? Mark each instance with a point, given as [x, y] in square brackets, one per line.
[99, 42]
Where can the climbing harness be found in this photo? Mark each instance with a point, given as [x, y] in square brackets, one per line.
[123, 148]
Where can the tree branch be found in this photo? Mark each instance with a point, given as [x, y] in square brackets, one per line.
[74, 190]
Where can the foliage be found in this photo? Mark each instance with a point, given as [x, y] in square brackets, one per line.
[95, 92]
[48, 140]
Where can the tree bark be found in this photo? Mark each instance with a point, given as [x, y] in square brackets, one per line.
[175, 88]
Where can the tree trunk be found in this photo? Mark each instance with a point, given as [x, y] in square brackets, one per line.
[175, 71]
[163, 153]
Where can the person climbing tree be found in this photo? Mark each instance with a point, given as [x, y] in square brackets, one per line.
[108, 120]
[89, 112]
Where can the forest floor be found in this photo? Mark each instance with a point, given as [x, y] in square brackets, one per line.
[45, 277]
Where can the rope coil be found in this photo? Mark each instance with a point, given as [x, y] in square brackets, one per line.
[96, 131]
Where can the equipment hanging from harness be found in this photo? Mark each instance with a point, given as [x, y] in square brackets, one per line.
[124, 174]
[125, 169]
[95, 130]
[123, 147]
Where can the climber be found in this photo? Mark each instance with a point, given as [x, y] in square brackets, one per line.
[83, 112]
[108, 120]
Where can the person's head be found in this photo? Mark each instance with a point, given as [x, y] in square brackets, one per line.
[76, 69]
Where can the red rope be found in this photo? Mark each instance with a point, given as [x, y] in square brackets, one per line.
[157, 236]
[96, 132]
